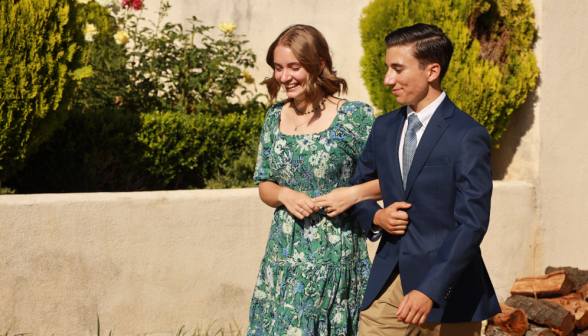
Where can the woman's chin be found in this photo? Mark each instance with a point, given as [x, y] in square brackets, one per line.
[297, 95]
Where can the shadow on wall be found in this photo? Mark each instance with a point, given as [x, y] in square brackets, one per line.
[520, 124]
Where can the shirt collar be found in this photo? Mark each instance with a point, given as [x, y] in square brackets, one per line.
[426, 113]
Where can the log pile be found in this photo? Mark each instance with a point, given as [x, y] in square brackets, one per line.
[554, 304]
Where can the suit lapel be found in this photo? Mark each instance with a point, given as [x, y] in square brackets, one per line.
[393, 141]
[433, 132]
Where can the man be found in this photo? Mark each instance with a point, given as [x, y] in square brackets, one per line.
[433, 163]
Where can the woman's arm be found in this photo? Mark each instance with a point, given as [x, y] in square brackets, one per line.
[341, 199]
[299, 204]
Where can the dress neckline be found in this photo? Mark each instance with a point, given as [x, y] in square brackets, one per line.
[323, 131]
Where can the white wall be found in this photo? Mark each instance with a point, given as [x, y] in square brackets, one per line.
[149, 262]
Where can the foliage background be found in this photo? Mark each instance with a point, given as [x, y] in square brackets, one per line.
[493, 66]
[160, 112]
[41, 45]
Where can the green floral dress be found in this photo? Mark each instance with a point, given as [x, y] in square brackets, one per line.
[315, 271]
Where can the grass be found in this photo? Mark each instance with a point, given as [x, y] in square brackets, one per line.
[211, 330]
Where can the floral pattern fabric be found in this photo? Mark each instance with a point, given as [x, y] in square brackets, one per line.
[315, 271]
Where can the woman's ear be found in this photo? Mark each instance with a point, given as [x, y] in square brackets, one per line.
[322, 65]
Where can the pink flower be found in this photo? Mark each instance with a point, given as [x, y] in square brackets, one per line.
[136, 4]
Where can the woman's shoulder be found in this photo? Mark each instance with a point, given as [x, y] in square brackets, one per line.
[356, 108]
[274, 111]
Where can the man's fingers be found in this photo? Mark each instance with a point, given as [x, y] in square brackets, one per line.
[423, 318]
[417, 317]
[401, 306]
[403, 205]
[410, 316]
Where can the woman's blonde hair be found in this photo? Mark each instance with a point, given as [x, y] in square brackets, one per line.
[309, 46]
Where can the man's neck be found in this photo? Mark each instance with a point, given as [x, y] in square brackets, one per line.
[432, 94]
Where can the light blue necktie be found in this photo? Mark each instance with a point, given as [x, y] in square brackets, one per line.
[410, 145]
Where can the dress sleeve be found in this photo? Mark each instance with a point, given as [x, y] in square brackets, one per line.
[263, 171]
[359, 120]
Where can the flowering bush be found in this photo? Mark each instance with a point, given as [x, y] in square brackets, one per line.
[152, 110]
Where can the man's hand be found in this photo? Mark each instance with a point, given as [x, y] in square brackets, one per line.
[414, 308]
[392, 219]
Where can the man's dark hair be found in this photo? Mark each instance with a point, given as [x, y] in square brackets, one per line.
[430, 44]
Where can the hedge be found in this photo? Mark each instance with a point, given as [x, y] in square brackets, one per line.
[493, 67]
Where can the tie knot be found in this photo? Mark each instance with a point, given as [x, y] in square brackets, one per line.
[414, 124]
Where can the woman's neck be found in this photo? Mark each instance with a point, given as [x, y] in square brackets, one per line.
[300, 103]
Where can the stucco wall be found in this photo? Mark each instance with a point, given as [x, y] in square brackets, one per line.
[563, 176]
[151, 262]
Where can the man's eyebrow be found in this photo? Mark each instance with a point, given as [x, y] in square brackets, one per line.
[396, 65]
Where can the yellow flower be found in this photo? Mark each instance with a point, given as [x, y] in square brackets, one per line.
[227, 27]
[248, 78]
[90, 30]
[121, 37]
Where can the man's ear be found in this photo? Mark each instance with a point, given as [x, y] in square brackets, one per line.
[434, 71]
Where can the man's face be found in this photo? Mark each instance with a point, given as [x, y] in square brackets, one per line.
[408, 81]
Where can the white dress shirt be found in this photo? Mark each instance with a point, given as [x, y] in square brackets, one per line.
[424, 116]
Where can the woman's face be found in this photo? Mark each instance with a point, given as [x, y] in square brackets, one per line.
[289, 72]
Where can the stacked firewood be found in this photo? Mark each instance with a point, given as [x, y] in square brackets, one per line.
[555, 304]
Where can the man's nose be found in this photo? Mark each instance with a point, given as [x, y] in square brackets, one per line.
[389, 79]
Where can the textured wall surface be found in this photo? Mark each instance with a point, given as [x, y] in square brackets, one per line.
[150, 262]
[562, 189]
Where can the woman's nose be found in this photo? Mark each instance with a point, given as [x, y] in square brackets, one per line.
[285, 76]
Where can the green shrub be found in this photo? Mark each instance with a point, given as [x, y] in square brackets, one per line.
[238, 172]
[114, 150]
[493, 67]
[197, 146]
[92, 151]
[40, 46]
[115, 140]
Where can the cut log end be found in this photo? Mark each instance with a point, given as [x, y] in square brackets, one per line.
[550, 285]
[511, 320]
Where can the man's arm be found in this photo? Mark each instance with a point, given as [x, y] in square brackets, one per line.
[473, 174]
[366, 170]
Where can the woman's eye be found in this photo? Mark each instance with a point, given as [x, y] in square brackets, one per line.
[295, 69]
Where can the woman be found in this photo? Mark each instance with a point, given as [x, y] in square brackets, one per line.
[315, 269]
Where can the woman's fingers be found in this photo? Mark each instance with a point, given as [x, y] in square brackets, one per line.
[312, 205]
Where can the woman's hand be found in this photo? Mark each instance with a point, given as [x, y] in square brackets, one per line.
[337, 201]
[299, 204]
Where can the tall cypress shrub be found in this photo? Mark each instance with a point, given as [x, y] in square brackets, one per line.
[41, 43]
[493, 67]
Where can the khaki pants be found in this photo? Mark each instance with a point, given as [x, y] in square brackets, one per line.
[380, 318]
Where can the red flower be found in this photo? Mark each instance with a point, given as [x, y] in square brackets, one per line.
[136, 4]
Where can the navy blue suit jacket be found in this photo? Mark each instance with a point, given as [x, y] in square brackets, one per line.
[449, 186]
